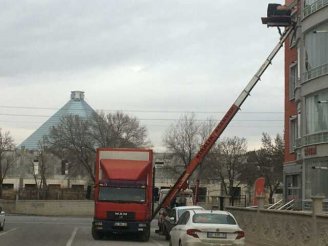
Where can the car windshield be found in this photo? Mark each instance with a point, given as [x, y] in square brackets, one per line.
[212, 218]
[126, 194]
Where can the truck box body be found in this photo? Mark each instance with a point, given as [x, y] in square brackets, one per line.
[123, 192]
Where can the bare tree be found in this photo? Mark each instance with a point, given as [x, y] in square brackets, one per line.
[72, 140]
[249, 172]
[75, 139]
[230, 158]
[209, 164]
[270, 160]
[118, 130]
[183, 139]
[40, 163]
[7, 155]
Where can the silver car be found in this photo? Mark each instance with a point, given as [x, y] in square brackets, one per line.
[2, 219]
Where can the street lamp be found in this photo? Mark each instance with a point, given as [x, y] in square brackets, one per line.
[320, 31]
[320, 168]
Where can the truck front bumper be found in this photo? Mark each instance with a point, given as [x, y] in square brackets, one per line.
[120, 226]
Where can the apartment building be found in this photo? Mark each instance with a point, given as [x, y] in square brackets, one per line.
[306, 104]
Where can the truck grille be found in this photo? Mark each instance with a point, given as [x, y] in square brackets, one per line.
[112, 215]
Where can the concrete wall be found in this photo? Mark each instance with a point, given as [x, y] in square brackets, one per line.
[283, 228]
[49, 207]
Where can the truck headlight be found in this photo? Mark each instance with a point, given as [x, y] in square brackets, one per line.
[142, 225]
[98, 223]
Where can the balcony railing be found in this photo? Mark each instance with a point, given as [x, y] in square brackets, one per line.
[317, 138]
[316, 72]
[309, 9]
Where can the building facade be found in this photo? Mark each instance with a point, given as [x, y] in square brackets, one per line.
[306, 104]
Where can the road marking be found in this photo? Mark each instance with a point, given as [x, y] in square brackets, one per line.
[157, 243]
[71, 239]
[4, 233]
[48, 223]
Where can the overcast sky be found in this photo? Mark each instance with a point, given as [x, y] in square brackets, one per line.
[154, 60]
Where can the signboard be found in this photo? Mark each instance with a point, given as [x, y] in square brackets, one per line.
[310, 150]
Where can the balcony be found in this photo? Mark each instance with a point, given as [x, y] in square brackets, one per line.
[317, 138]
[316, 72]
[314, 7]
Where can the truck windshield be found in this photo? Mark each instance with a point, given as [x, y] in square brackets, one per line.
[125, 194]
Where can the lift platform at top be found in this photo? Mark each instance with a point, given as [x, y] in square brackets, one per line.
[278, 15]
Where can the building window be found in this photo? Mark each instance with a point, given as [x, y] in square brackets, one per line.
[78, 187]
[293, 187]
[316, 181]
[311, 6]
[316, 52]
[316, 107]
[292, 80]
[309, 2]
[7, 186]
[293, 133]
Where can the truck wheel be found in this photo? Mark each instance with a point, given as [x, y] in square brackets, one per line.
[96, 234]
[144, 236]
[2, 226]
[167, 234]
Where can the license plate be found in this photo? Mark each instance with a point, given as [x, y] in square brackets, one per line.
[217, 235]
[120, 224]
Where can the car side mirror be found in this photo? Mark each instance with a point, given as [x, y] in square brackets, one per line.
[2, 212]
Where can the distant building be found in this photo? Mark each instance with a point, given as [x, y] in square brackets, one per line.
[21, 175]
[75, 106]
[306, 104]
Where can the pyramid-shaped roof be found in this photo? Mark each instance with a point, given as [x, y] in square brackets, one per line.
[75, 106]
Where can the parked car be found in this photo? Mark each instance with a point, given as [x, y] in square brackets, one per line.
[173, 216]
[206, 227]
[2, 219]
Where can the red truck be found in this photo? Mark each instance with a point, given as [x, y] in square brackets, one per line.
[123, 192]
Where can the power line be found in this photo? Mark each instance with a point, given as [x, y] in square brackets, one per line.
[141, 119]
[148, 111]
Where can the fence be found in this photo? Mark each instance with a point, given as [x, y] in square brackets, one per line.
[220, 202]
[284, 228]
[49, 194]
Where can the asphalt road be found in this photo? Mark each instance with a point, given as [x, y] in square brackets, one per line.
[57, 231]
[65, 231]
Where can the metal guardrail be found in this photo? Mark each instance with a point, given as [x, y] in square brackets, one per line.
[287, 206]
[282, 206]
[316, 72]
[275, 205]
[314, 7]
[317, 138]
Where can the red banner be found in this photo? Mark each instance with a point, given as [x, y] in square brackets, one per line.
[259, 189]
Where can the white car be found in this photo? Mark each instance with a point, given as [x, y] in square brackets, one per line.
[2, 219]
[206, 227]
[172, 218]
